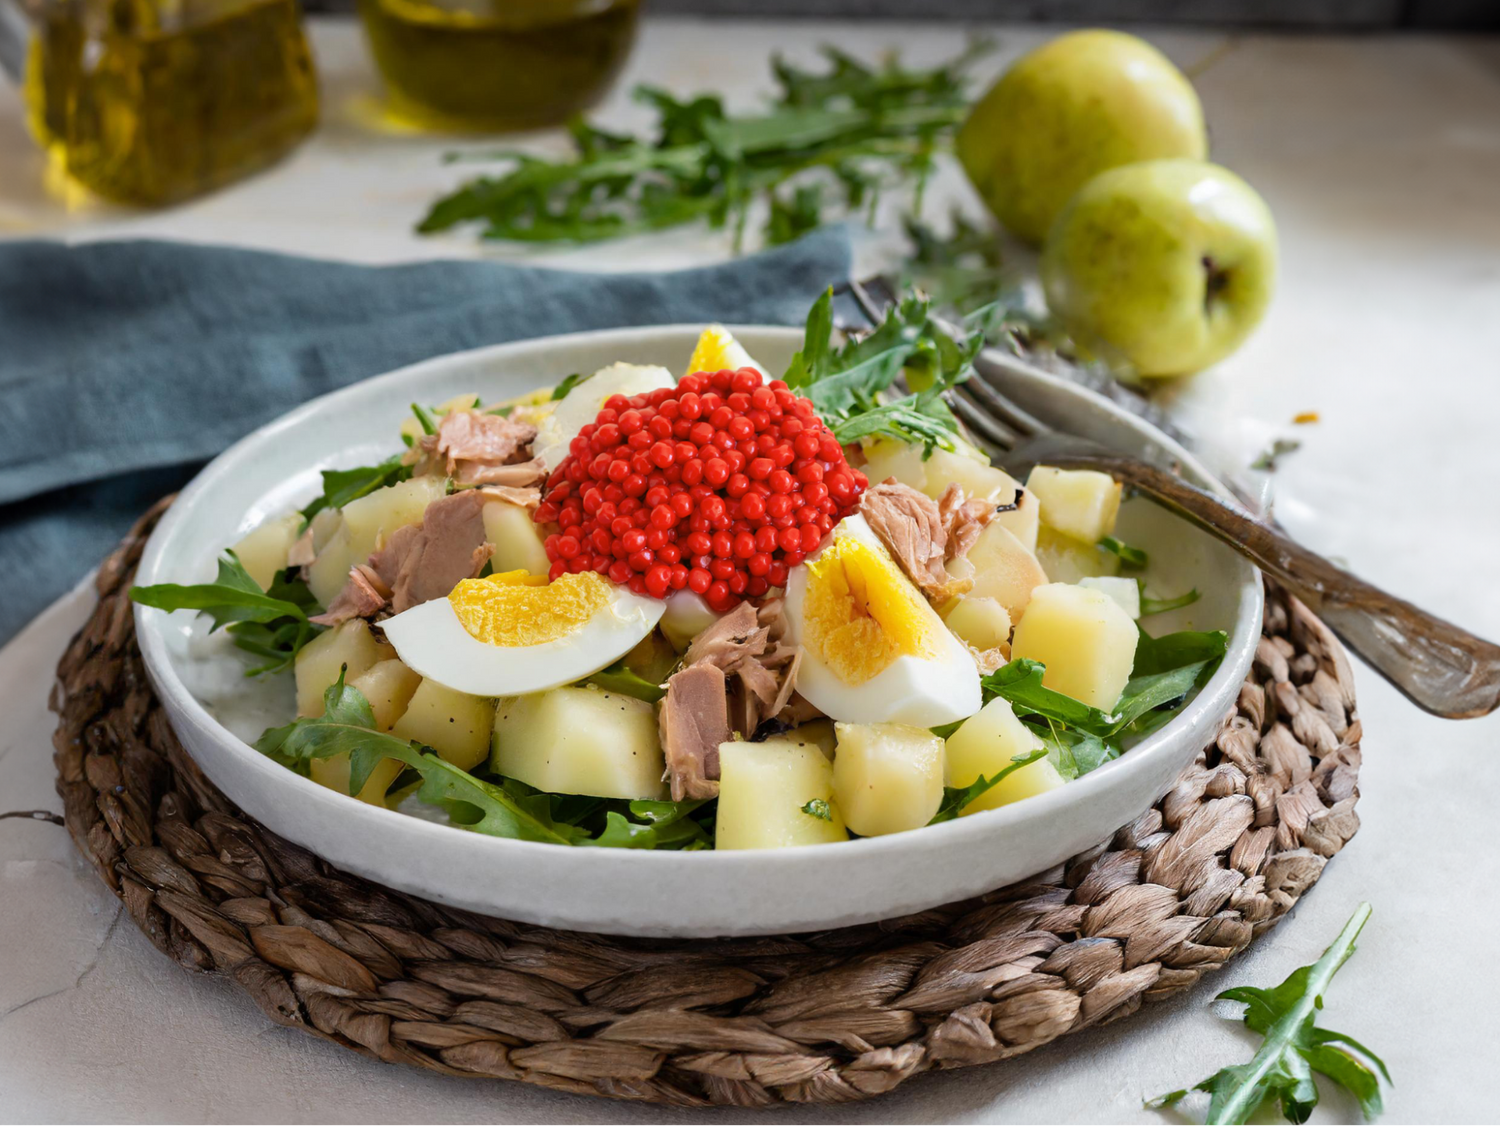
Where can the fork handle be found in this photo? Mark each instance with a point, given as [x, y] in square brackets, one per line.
[1441, 668]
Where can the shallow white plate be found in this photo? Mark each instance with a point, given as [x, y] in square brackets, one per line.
[214, 709]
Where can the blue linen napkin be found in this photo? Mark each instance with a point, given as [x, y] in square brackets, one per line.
[125, 365]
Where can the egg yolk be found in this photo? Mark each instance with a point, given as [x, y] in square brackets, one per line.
[860, 613]
[517, 608]
[711, 352]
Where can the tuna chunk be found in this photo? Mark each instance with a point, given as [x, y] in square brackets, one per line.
[925, 535]
[364, 595]
[469, 443]
[516, 475]
[963, 520]
[420, 562]
[694, 720]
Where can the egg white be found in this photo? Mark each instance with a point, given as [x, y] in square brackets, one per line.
[557, 429]
[921, 691]
[433, 642]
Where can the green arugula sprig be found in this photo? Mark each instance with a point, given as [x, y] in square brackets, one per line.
[271, 624]
[819, 808]
[848, 383]
[852, 127]
[507, 809]
[1151, 606]
[1294, 1047]
[340, 486]
[958, 798]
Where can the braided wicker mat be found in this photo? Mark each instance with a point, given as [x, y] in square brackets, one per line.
[813, 1018]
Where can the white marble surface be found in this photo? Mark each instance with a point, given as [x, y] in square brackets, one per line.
[1380, 158]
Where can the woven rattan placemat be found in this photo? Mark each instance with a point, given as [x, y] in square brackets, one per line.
[823, 1017]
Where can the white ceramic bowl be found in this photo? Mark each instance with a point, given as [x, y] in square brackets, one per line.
[214, 709]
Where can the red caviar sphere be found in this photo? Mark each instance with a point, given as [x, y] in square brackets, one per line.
[720, 485]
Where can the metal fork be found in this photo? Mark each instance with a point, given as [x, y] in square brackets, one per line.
[1441, 668]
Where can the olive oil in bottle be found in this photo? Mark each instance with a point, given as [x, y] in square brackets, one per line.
[151, 101]
[495, 65]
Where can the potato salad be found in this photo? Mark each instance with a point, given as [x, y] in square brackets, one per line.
[706, 608]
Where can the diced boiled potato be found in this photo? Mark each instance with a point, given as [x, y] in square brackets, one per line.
[580, 741]
[1023, 521]
[890, 458]
[979, 621]
[349, 646]
[388, 685]
[1127, 592]
[372, 518]
[325, 525]
[816, 733]
[1081, 503]
[263, 552]
[1067, 560]
[517, 540]
[887, 777]
[454, 724]
[1083, 637]
[989, 741]
[365, 525]
[1004, 570]
[333, 772]
[763, 788]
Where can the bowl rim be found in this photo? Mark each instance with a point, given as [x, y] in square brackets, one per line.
[1203, 711]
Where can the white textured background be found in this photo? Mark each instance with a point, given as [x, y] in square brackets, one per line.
[1381, 160]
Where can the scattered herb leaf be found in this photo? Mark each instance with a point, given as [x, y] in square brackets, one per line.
[1270, 458]
[1294, 1047]
[819, 808]
[569, 382]
[427, 417]
[851, 128]
[1131, 557]
[1151, 606]
[626, 681]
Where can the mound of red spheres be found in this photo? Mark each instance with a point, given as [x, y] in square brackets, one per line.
[720, 485]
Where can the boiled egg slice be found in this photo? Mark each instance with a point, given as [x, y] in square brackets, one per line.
[718, 350]
[514, 633]
[558, 427]
[873, 649]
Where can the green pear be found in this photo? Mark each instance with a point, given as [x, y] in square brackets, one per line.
[1082, 103]
[1166, 265]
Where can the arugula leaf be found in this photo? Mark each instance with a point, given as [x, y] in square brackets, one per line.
[568, 383]
[958, 798]
[819, 808]
[281, 639]
[655, 825]
[620, 678]
[1294, 1047]
[1020, 682]
[426, 417]
[825, 147]
[1151, 606]
[1166, 668]
[1131, 557]
[347, 727]
[846, 384]
[340, 486]
[233, 596]
[1074, 753]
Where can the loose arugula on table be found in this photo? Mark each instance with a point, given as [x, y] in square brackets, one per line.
[502, 808]
[849, 383]
[1294, 1047]
[828, 145]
